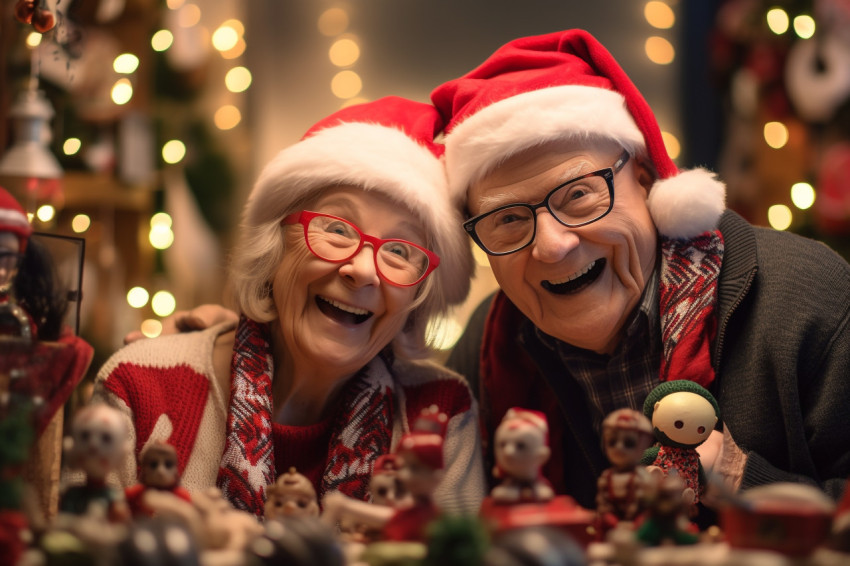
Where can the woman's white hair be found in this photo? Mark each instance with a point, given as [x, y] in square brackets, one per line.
[386, 147]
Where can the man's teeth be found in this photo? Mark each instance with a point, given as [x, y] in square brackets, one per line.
[575, 275]
[346, 308]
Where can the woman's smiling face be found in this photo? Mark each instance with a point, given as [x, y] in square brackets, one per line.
[576, 284]
[338, 316]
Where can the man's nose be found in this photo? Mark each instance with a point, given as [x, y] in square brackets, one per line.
[553, 240]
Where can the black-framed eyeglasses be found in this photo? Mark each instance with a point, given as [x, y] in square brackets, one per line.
[330, 238]
[577, 202]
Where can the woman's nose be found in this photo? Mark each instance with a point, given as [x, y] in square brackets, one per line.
[553, 240]
[360, 268]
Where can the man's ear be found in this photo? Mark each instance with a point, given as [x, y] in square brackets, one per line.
[544, 454]
[644, 174]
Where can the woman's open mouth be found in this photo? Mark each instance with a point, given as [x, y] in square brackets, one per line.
[344, 314]
[577, 281]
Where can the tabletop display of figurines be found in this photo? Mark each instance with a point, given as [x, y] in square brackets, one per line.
[644, 505]
[395, 526]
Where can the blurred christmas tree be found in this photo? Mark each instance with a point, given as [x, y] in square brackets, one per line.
[784, 69]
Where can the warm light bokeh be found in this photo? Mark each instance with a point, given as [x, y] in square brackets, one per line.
[659, 50]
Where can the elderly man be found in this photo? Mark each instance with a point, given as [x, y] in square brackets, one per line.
[617, 270]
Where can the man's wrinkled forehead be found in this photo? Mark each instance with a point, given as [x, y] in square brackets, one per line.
[576, 156]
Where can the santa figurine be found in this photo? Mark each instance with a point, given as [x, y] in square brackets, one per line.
[521, 447]
[15, 231]
[624, 488]
[99, 442]
[33, 305]
[420, 472]
[158, 471]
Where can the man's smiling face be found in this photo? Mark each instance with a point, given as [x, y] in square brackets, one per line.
[576, 284]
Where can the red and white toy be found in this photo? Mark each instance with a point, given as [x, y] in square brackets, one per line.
[521, 447]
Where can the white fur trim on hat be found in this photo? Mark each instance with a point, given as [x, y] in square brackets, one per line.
[377, 158]
[12, 219]
[495, 132]
[687, 204]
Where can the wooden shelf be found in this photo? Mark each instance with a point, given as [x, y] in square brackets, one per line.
[91, 190]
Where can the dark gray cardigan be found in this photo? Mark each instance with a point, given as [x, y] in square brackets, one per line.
[782, 356]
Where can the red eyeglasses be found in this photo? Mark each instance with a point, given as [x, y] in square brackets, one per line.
[336, 240]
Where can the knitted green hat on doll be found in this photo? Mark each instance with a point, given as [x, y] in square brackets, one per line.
[677, 385]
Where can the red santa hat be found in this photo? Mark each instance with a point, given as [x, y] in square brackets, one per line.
[526, 417]
[424, 446]
[432, 420]
[560, 86]
[385, 464]
[14, 219]
[384, 146]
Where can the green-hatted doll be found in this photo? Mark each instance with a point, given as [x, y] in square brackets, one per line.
[683, 414]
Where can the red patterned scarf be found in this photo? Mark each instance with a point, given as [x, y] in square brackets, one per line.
[687, 302]
[361, 431]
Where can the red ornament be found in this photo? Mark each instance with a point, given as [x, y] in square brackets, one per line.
[41, 18]
[24, 10]
[43, 21]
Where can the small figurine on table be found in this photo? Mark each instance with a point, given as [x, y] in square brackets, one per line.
[667, 522]
[100, 442]
[157, 471]
[420, 458]
[292, 495]
[683, 414]
[624, 488]
[420, 472]
[385, 485]
[521, 448]
[386, 490]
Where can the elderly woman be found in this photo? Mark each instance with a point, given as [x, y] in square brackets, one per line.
[349, 246]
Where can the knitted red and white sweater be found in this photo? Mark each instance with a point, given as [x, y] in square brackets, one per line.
[167, 390]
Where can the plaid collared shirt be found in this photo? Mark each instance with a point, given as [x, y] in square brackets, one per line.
[625, 378]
